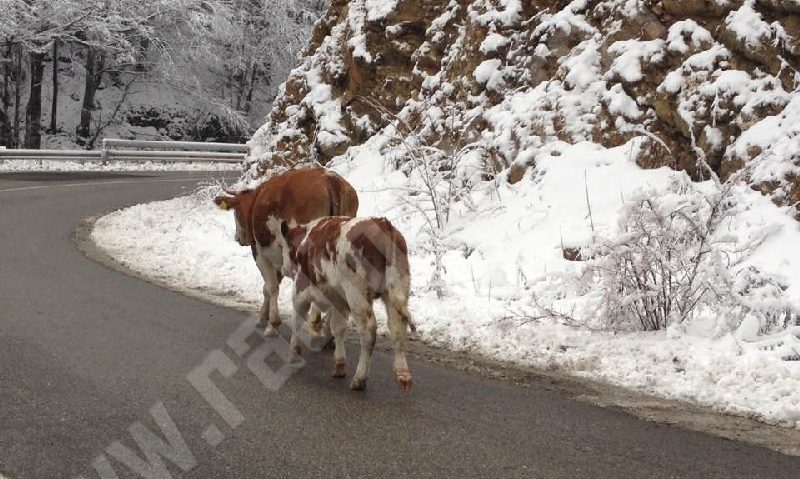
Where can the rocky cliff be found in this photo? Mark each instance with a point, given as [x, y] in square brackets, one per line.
[705, 81]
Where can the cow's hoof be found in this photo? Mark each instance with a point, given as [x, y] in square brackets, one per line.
[403, 378]
[358, 384]
[339, 369]
[271, 331]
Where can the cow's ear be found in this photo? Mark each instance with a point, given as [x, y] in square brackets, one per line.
[226, 202]
[284, 229]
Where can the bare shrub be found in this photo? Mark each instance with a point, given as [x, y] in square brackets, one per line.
[673, 260]
[667, 260]
[444, 181]
[762, 297]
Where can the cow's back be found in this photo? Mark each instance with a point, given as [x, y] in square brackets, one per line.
[302, 195]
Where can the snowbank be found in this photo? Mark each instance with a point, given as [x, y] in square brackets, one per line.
[504, 249]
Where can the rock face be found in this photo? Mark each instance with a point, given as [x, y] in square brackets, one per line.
[711, 80]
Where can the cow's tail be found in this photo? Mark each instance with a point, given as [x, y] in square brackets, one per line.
[342, 197]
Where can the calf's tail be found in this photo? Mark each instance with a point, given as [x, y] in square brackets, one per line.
[404, 314]
[398, 286]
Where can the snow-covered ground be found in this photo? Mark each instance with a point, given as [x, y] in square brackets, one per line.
[504, 259]
[48, 165]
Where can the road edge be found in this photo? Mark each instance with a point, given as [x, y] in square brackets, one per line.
[657, 410]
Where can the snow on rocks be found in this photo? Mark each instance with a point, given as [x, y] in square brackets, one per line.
[493, 42]
[687, 30]
[631, 53]
[748, 26]
[770, 142]
[379, 9]
[489, 73]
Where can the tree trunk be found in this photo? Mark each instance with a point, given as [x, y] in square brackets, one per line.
[33, 113]
[17, 94]
[7, 60]
[94, 73]
[241, 78]
[248, 104]
[5, 130]
[5, 125]
[144, 44]
[54, 106]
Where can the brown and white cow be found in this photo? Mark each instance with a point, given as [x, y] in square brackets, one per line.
[300, 195]
[341, 265]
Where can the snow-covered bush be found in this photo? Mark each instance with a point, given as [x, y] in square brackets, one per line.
[677, 258]
[667, 260]
[760, 298]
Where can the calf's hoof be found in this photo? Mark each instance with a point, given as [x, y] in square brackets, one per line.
[271, 331]
[339, 369]
[358, 384]
[296, 356]
[315, 330]
[403, 379]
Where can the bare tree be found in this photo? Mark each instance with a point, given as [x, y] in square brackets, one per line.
[225, 55]
[230, 55]
[115, 38]
[33, 112]
[54, 102]
[442, 179]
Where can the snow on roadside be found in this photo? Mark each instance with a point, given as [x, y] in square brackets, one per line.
[507, 242]
[49, 165]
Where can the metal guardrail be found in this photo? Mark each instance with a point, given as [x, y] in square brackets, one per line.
[140, 150]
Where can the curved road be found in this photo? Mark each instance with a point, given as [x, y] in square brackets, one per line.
[89, 357]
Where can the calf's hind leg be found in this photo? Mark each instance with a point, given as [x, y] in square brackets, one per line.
[338, 321]
[315, 321]
[301, 307]
[399, 328]
[367, 330]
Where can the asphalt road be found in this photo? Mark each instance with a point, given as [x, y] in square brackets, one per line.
[86, 353]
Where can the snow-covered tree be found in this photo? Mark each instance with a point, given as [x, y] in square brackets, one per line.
[118, 37]
[223, 58]
[231, 54]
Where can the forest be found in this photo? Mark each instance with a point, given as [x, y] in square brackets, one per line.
[75, 70]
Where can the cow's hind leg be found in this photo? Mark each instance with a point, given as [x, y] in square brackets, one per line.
[338, 321]
[397, 319]
[269, 318]
[263, 317]
[367, 329]
[271, 285]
